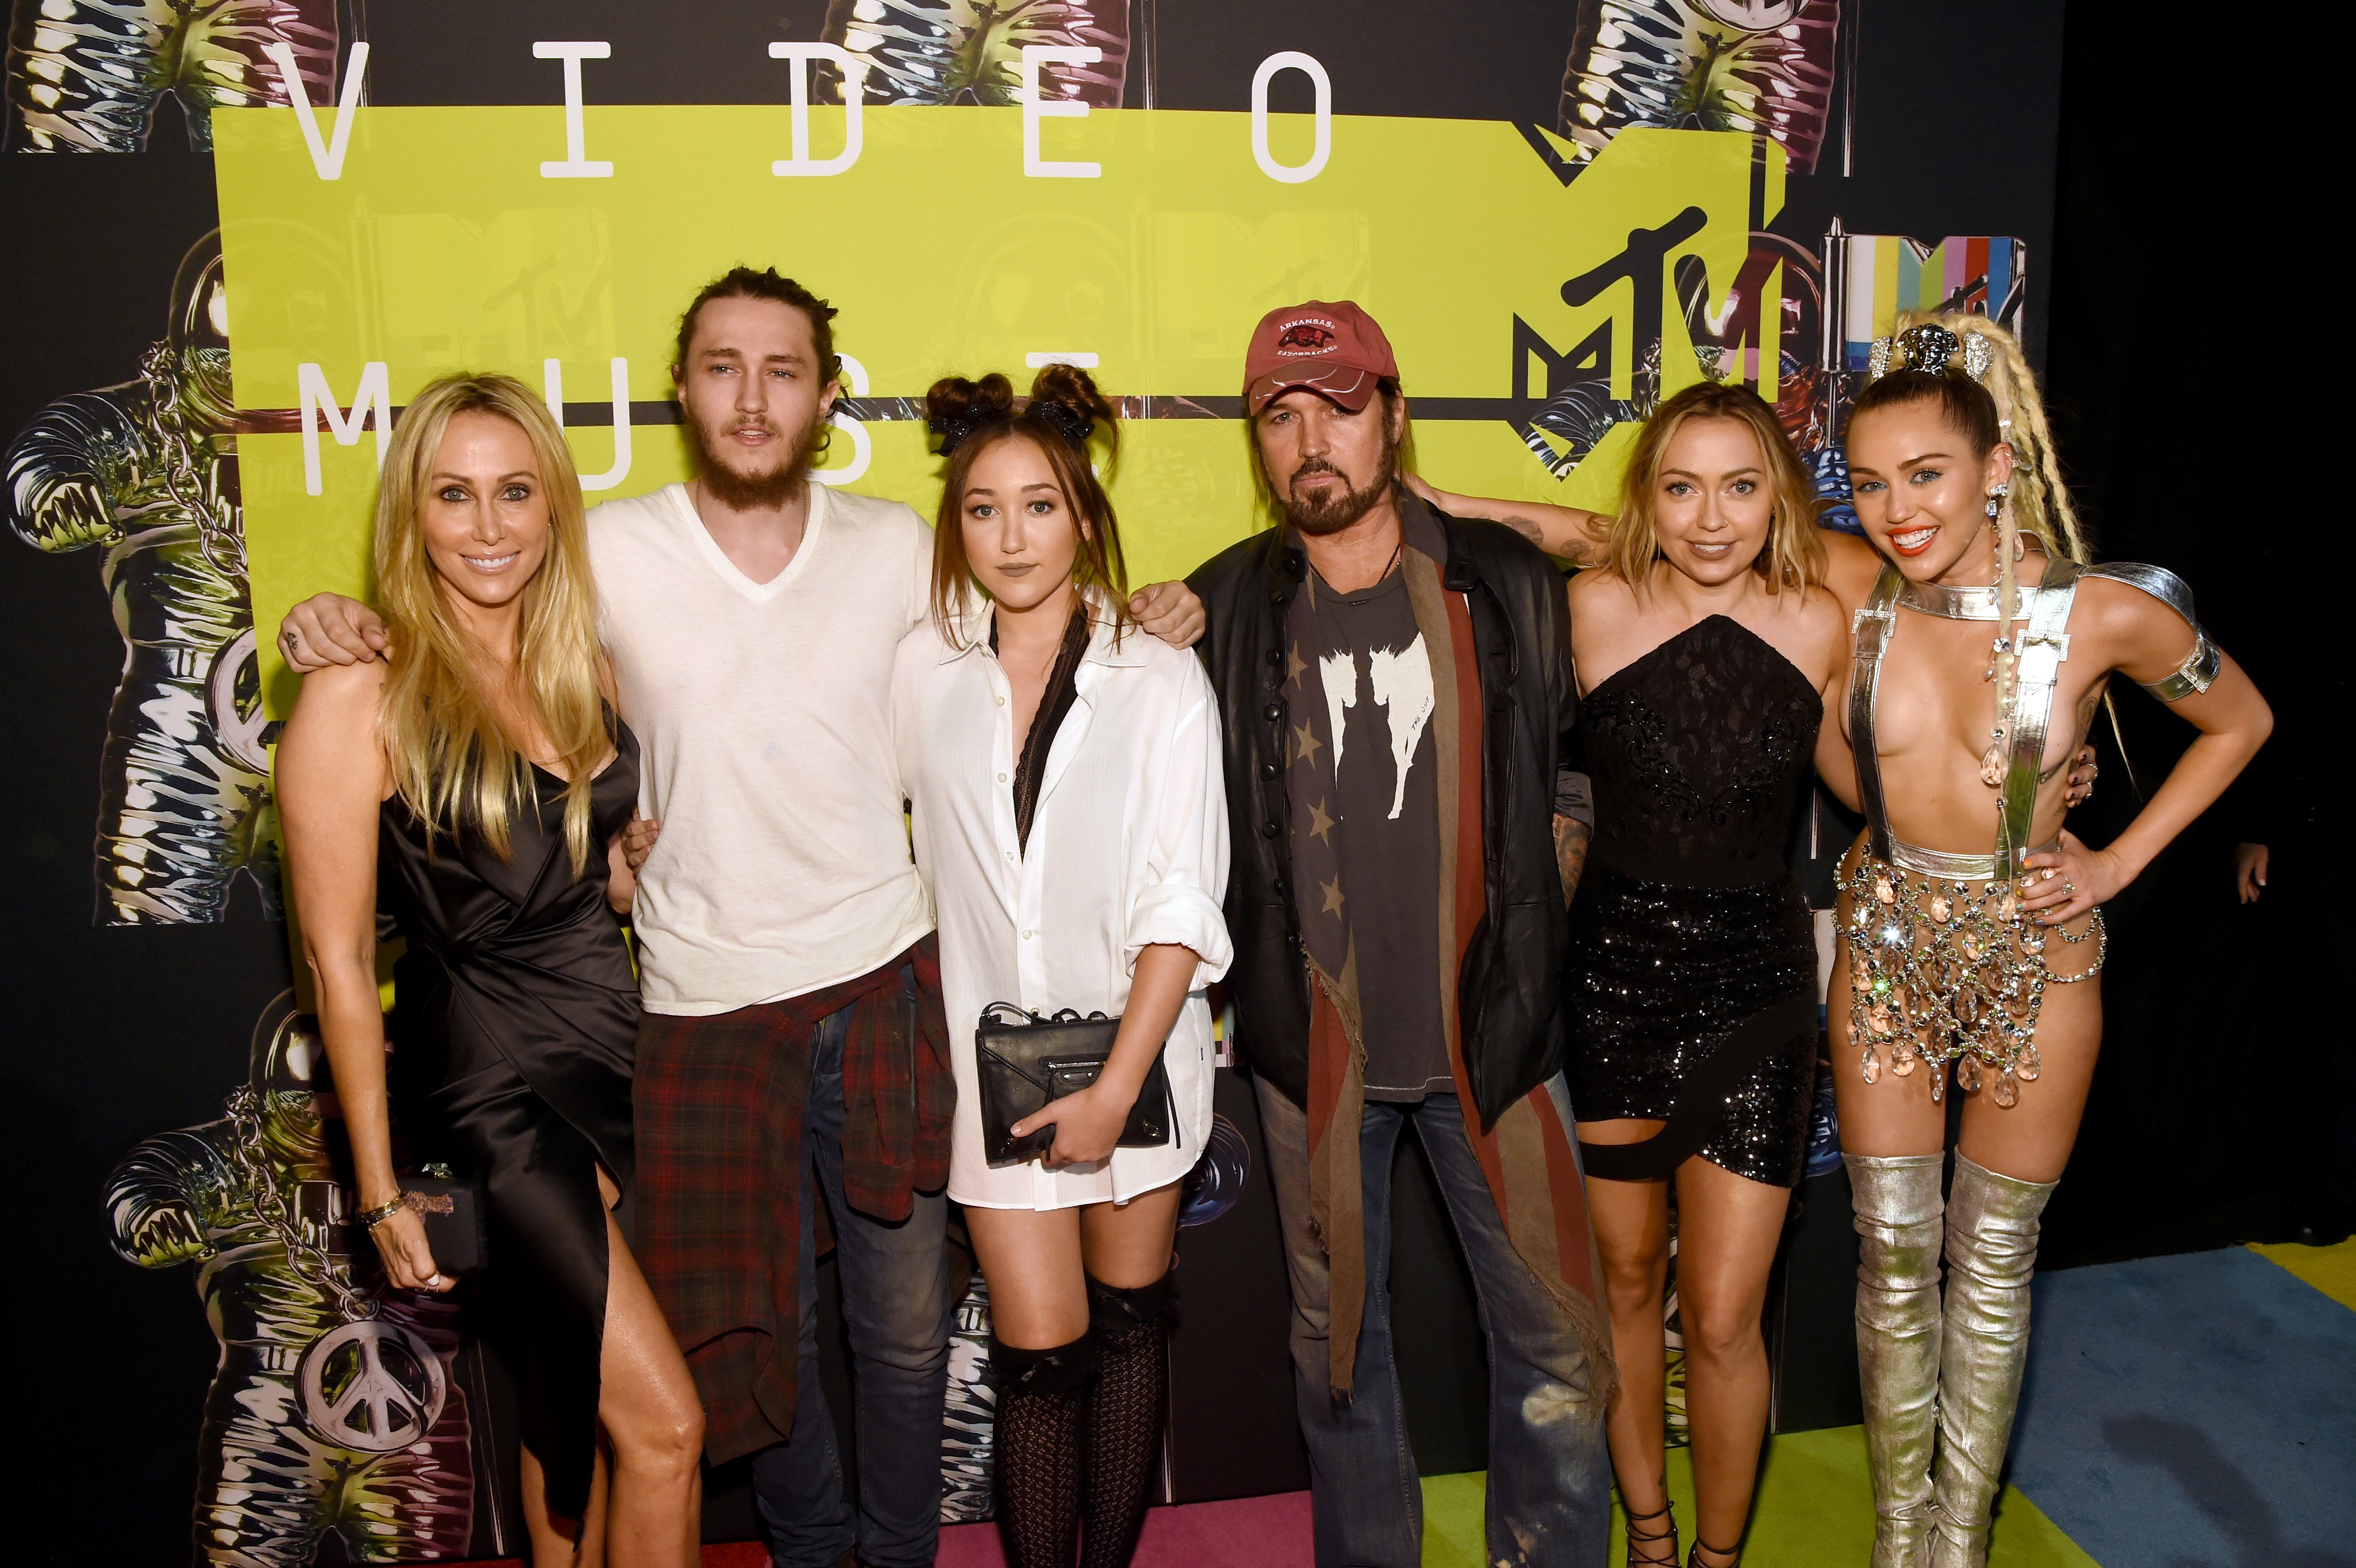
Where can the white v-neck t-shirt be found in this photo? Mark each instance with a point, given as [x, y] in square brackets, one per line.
[763, 716]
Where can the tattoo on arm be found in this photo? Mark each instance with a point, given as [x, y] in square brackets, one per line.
[1526, 528]
[1571, 838]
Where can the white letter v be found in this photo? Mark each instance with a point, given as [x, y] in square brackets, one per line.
[327, 159]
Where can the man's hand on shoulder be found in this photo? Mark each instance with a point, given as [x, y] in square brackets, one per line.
[329, 628]
[1171, 612]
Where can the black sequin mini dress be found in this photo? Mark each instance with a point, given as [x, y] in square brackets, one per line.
[1691, 996]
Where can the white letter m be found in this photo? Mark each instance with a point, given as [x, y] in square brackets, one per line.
[373, 397]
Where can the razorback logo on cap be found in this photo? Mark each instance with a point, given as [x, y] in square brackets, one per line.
[1312, 336]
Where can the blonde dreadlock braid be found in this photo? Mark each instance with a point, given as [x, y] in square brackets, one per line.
[2036, 501]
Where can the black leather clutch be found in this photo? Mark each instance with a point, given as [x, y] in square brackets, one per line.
[1023, 1066]
[451, 1211]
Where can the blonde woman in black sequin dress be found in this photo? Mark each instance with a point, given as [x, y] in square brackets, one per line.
[1704, 647]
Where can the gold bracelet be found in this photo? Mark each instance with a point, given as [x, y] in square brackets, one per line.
[372, 1218]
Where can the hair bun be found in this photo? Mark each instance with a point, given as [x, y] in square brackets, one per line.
[957, 400]
[1075, 390]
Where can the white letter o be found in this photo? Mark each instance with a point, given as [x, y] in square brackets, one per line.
[1307, 65]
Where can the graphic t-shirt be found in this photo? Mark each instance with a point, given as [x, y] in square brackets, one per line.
[1362, 786]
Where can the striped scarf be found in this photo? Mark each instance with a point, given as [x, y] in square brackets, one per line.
[1528, 1156]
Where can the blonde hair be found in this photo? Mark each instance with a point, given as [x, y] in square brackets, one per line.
[453, 764]
[1793, 555]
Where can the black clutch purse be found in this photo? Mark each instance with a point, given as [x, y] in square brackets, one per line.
[1022, 1066]
[451, 1211]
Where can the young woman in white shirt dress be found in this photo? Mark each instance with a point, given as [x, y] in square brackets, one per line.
[1062, 772]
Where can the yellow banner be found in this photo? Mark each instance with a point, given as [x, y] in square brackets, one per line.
[439, 244]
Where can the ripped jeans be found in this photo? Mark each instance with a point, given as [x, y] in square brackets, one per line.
[1549, 1485]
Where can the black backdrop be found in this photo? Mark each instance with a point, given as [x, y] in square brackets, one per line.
[2221, 1111]
[2216, 1104]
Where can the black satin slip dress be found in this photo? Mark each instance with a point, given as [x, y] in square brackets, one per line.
[1691, 995]
[516, 1019]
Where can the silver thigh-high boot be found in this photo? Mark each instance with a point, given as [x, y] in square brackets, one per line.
[1898, 1226]
[1991, 1253]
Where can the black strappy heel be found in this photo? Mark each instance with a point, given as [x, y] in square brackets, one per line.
[1733, 1556]
[1650, 1538]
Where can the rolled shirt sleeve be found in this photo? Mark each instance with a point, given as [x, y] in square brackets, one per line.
[1177, 903]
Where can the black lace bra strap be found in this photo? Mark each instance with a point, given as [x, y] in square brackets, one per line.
[1054, 704]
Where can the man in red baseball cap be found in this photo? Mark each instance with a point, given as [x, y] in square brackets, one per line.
[1395, 685]
[1334, 349]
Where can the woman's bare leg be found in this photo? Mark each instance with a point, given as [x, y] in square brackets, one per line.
[1030, 1261]
[1042, 1360]
[565, 1542]
[1728, 1227]
[1631, 1235]
[2031, 1141]
[1127, 1245]
[654, 1424]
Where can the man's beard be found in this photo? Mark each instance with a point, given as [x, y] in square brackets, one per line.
[1320, 515]
[769, 488]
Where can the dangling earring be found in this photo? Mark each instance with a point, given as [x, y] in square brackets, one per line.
[1996, 500]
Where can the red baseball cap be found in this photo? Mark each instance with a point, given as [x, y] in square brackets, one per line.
[1332, 348]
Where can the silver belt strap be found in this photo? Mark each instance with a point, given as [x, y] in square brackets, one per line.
[2040, 645]
[1871, 626]
[1949, 867]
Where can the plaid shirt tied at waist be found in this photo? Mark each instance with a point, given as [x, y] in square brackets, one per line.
[720, 1101]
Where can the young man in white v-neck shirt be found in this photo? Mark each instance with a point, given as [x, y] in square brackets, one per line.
[793, 1023]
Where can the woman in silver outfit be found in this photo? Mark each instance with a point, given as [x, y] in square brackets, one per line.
[1970, 920]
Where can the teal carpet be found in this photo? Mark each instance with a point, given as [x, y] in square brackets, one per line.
[2194, 1412]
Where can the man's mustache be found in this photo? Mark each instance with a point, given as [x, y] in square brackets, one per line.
[1317, 466]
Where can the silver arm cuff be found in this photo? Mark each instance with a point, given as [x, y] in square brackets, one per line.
[2194, 675]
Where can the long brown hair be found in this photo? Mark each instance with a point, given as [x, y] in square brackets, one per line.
[984, 412]
[453, 762]
[1793, 555]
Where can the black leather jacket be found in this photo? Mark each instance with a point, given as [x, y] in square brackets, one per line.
[1508, 992]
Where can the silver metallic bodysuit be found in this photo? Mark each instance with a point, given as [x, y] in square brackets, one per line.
[84, 76]
[318, 1422]
[961, 51]
[1945, 965]
[146, 472]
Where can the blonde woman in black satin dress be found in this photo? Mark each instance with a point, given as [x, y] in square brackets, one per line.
[476, 780]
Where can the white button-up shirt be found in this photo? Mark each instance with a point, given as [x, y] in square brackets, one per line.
[1127, 849]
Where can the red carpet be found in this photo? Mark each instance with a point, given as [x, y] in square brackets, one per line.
[1245, 1532]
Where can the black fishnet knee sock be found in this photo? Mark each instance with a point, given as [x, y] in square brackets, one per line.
[1125, 1417]
[1041, 1397]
